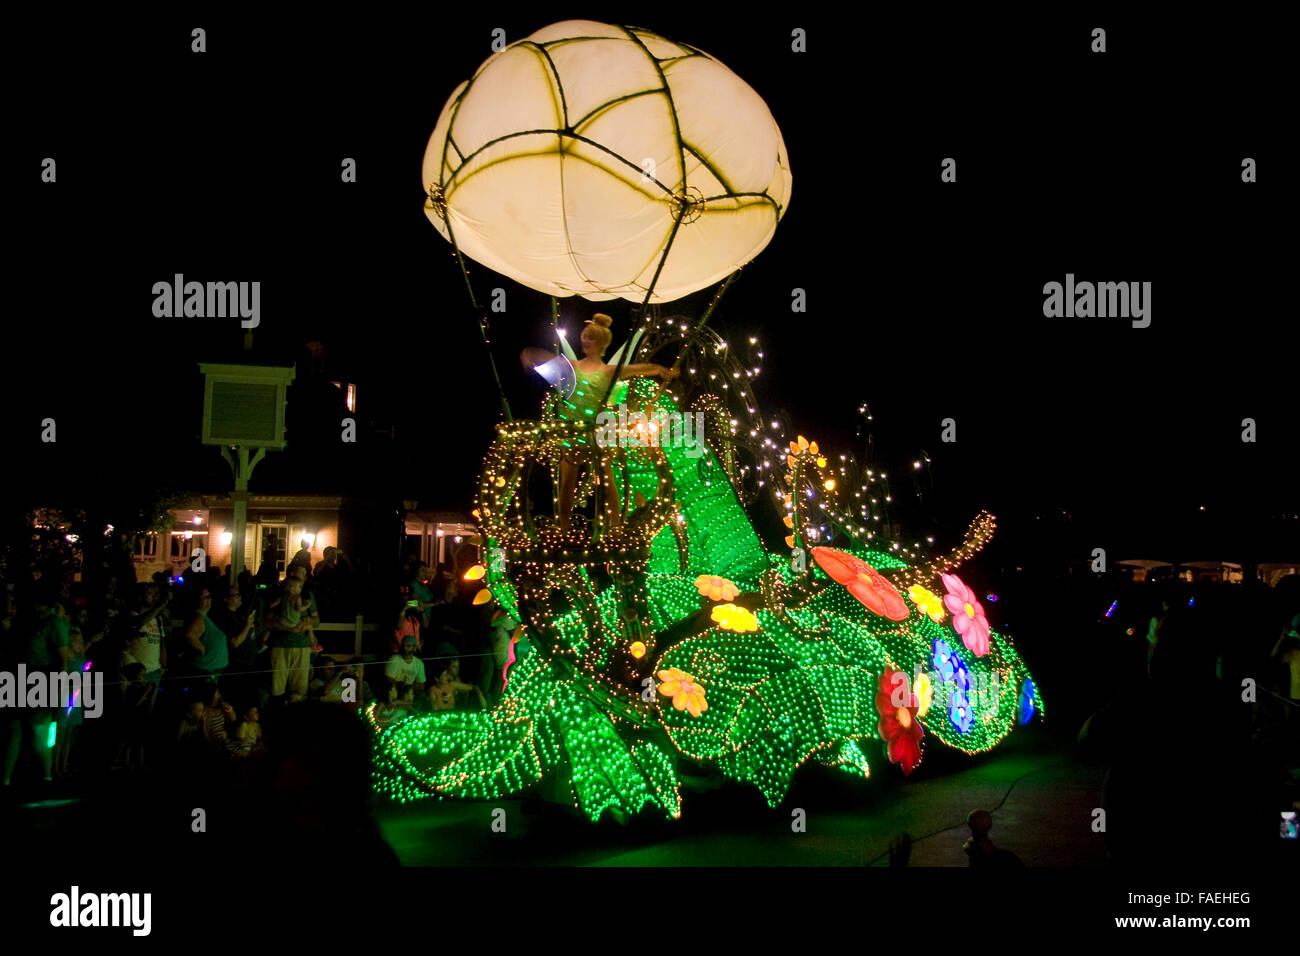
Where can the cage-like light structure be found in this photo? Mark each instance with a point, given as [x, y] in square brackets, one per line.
[606, 162]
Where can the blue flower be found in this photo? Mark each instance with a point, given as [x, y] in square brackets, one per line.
[960, 676]
[959, 711]
[952, 670]
[1027, 701]
[943, 660]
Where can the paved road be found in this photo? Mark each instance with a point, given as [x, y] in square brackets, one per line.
[1045, 819]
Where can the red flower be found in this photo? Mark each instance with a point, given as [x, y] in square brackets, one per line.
[864, 582]
[898, 726]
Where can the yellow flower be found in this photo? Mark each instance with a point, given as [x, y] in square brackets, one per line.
[924, 692]
[715, 588]
[732, 617]
[927, 602]
[685, 693]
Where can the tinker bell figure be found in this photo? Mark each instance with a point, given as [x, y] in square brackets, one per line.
[594, 377]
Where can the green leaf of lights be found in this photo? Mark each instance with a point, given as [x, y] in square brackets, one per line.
[541, 724]
[608, 774]
[848, 756]
[774, 700]
[722, 540]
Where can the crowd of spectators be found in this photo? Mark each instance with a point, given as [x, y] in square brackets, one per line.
[194, 665]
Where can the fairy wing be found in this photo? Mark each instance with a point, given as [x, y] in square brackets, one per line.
[631, 345]
[565, 347]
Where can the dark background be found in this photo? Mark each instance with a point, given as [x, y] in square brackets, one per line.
[925, 299]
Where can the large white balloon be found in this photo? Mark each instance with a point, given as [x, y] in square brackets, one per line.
[564, 162]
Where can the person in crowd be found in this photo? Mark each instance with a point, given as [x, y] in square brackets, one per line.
[209, 644]
[408, 625]
[70, 717]
[421, 592]
[111, 604]
[292, 644]
[328, 561]
[400, 704]
[1145, 793]
[406, 668]
[323, 675]
[236, 621]
[1287, 651]
[303, 557]
[189, 738]
[980, 848]
[248, 733]
[49, 649]
[137, 701]
[247, 587]
[90, 635]
[318, 809]
[291, 602]
[222, 582]
[268, 574]
[333, 579]
[218, 718]
[356, 694]
[449, 692]
[11, 654]
[499, 636]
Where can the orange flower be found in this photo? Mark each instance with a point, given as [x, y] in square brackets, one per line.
[685, 693]
[715, 588]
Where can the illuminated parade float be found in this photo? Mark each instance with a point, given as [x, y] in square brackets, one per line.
[659, 638]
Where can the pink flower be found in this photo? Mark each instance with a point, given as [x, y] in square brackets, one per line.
[967, 614]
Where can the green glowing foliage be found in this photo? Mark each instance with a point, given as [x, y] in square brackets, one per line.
[802, 687]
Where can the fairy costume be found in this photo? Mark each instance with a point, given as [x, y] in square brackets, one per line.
[587, 398]
[585, 403]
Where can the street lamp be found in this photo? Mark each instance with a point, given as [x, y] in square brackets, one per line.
[243, 411]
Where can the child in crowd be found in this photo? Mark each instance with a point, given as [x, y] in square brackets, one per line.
[400, 703]
[325, 673]
[137, 699]
[190, 729]
[248, 733]
[448, 690]
[291, 604]
[132, 651]
[218, 716]
[355, 694]
[70, 718]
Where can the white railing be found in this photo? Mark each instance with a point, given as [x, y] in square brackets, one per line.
[358, 628]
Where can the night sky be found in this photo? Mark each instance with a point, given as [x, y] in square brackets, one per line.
[925, 298]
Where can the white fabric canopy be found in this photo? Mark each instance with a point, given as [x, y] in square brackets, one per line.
[564, 161]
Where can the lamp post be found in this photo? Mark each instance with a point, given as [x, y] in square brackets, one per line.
[243, 412]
